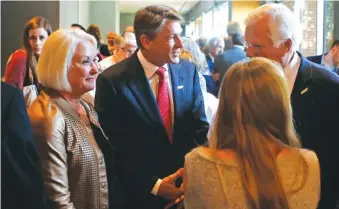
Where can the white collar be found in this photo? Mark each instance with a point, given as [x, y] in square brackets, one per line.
[212, 58]
[294, 64]
[148, 67]
[325, 63]
[239, 46]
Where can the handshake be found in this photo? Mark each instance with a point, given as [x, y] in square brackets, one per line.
[170, 192]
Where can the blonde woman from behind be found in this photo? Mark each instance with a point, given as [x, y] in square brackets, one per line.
[253, 160]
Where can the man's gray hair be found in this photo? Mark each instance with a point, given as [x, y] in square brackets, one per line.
[283, 24]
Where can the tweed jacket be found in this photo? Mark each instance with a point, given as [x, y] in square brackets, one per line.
[73, 162]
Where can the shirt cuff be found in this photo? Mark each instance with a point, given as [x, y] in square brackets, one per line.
[156, 187]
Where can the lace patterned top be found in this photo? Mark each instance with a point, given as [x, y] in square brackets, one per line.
[213, 183]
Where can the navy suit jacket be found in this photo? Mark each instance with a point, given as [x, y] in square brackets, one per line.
[225, 60]
[316, 59]
[21, 176]
[315, 104]
[128, 112]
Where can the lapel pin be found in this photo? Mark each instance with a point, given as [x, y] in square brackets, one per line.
[304, 91]
[180, 87]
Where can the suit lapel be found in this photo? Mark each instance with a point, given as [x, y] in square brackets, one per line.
[301, 98]
[139, 85]
[178, 88]
[302, 85]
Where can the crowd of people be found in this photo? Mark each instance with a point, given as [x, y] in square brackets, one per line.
[156, 120]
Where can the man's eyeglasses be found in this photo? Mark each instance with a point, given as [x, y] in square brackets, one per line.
[257, 47]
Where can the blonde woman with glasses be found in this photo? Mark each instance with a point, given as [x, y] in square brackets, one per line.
[254, 158]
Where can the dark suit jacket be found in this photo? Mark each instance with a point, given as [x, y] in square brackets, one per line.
[315, 103]
[225, 60]
[128, 112]
[316, 59]
[210, 83]
[21, 177]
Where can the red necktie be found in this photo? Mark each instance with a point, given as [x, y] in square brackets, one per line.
[164, 103]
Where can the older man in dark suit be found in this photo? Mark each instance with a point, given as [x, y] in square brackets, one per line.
[152, 109]
[21, 176]
[314, 90]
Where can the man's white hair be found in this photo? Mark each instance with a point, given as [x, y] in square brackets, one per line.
[283, 24]
[56, 57]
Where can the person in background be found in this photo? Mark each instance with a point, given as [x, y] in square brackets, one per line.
[313, 89]
[21, 65]
[110, 40]
[76, 25]
[99, 55]
[122, 49]
[202, 42]
[191, 52]
[330, 59]
[95, 31]
[152, 109]
[75, 153]
[119, 49]
[130, 43]
[233, 27]
[226, 59]
[215, 47]
[129, 29]
[253, 159]
[228, 43]
[22, 183]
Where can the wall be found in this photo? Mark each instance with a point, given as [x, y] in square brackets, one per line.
[106, 14]
[68, 13]
[241, 9]
[19, 12]
[125, 20]
[84, 13]
[199, 8]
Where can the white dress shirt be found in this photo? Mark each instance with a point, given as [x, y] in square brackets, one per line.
[153, 79]
[327, 63]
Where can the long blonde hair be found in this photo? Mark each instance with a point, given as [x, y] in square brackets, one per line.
[254, 113]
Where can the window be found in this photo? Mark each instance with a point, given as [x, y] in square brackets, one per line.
[207, 24]
[328, 25]
[220, 20]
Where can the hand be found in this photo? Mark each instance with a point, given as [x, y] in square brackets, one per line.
[179, 202]
[167, 188]
[216, 76]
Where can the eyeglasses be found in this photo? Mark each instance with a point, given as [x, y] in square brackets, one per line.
[257, 47]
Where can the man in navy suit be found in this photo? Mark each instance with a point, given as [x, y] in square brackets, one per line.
[225, 60]
[273, 32]
[152, 109]
[21, 176]
[330, 59]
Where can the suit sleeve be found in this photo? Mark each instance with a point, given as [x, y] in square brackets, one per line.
[49, 131]
[217, 63]
[134, 176]
[326, 139]
[201, 125]
[22, 159]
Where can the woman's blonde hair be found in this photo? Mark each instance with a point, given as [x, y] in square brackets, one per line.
[56, 57]
[254, 113]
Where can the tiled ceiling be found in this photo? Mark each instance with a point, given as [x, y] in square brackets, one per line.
[131, 6]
